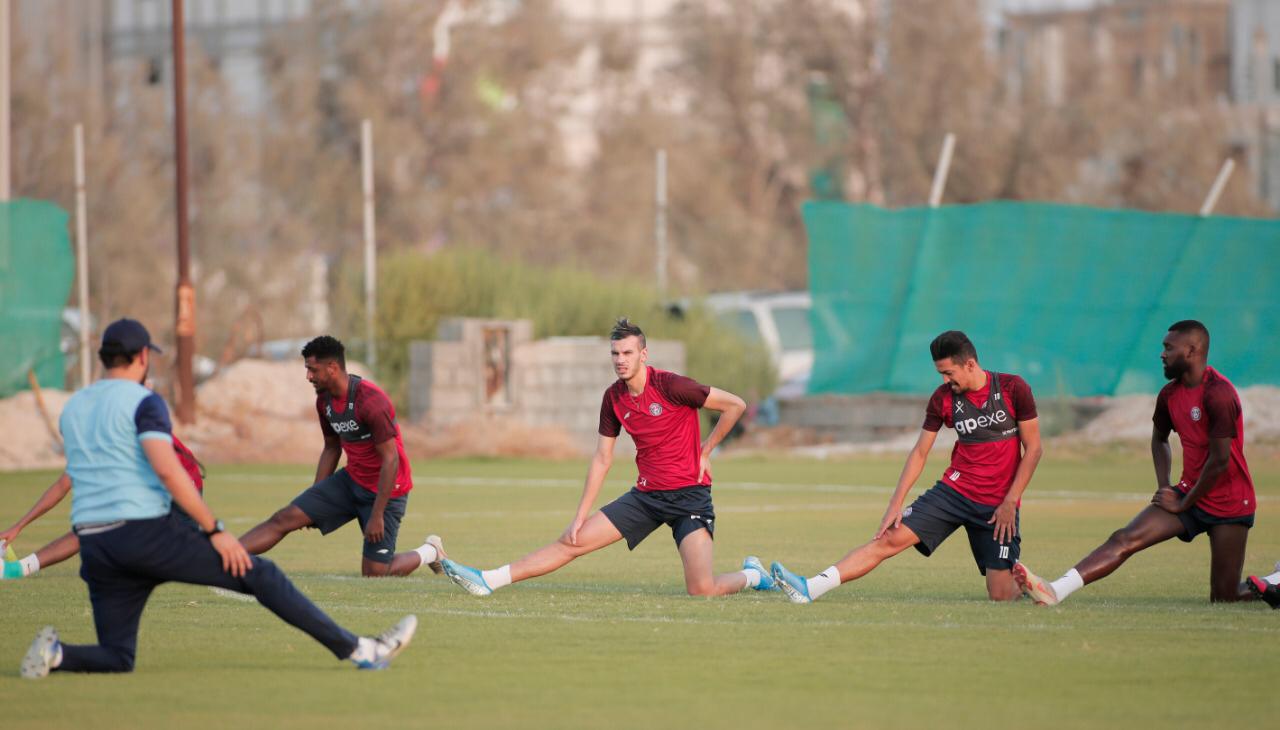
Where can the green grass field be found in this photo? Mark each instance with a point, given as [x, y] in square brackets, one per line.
[612, 641]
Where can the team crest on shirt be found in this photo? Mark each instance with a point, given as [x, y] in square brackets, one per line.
[1195, 413]
[655, 409]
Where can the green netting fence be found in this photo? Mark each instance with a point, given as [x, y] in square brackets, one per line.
[36, 267]
[1074, 299]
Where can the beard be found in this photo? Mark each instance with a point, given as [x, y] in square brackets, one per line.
[1176, 369]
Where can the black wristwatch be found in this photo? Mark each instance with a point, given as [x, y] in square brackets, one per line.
[217, 527]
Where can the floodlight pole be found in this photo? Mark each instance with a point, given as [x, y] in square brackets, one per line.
[185, 296]
[1215, 192]
[943, 170]
[660, 219]
[370, 243]
[82, 258]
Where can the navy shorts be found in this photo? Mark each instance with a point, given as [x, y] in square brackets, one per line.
[333, 502]
[685, 510]
[1196, 521]
[938, 512]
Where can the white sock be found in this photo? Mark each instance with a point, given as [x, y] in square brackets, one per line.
[498, 577]
[428, 553]
[823, 582]
[365, 650]
[1273, 579]
[1069, 583]
[30, 565]
[753, 577]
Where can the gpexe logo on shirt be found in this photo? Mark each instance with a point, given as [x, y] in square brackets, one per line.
[968, 425]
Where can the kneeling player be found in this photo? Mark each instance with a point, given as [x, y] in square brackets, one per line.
[1214, 494]
[997, 449]
[660, 411]
[358, 419]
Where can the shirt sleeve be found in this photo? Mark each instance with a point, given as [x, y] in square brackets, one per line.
[1024, 403]
[1161, 418]
[375, 411]
[152, 419]
[325, 428]
[1222, 410]
[610, 426]
[933, 416]
[681, 390]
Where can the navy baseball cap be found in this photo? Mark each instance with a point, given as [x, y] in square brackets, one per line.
[127, 335]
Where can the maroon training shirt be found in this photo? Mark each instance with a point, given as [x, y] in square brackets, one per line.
[663, 423]
[1210, 410]
[983, 472]
[373, 423]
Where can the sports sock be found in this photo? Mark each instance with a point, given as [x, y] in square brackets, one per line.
[823, 582]
[1273, 579]
[497, 578]
[752, 575]
[1069, 583]
[428, 553]
[365, 651]
[30, 565]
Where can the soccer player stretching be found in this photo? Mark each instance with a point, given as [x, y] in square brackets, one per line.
[660, 411]
[1214, 493]
[356, 417]
[997, 449]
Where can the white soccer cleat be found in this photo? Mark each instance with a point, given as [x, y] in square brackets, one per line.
[435, 542]
[42, 654]
[1033, 586]
[390, 643]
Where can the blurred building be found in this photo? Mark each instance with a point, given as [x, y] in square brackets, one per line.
[1255, 88]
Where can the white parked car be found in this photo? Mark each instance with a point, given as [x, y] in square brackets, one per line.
[779, 320]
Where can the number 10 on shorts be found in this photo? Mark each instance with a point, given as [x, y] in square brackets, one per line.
[1004, 552]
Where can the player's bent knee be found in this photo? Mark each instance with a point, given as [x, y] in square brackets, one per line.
[701, 589]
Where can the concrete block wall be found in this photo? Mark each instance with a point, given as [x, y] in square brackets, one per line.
[553, 382]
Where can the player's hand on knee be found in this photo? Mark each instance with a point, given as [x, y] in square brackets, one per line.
[235, 559]
[1004, 518]
[570, 534]
[892, 519]
[374, 530]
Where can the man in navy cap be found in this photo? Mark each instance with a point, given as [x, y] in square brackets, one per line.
[124, 477]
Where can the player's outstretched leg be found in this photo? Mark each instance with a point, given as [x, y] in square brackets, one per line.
[596, 532]
[1034, 587]
[59, 550]
[429, 554]
[857, 563]
[765, 582]
[697, 554]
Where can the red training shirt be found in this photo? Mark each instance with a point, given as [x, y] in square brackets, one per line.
[663, 423]
[983, 472]
[1210, 410]
[376, 418]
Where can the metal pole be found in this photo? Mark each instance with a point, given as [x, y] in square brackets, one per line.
[1215, 192]
[5, 163]
[660, 219]
[185, 325]
[944, 168]
[370, 243]
[82, 259]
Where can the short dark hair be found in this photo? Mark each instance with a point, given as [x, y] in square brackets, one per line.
[1191, 326]
[325, 347]
[623, 328]
[112, 355]
[953, 344]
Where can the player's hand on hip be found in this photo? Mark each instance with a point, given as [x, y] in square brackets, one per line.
[1168, 499]
[374, 529]
[235, 559]
[892, 519]
[570, 534]
[704, 468]
[1005, 519]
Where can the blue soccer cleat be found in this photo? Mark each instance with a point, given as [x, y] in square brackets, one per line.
[796, 587]
[389, 644]
[44, 651]
[467, 577]
[766, 581]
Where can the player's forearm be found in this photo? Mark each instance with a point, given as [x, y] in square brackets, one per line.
[728, 418]
[386, 484]
[911, 471]
[591, 489]
[1026, 469]
[188, 498]
[47, 501]
[1213, 469]
[328, 463]
[1162, 458]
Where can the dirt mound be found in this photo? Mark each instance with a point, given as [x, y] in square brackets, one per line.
[1128, 418]
[29, 443]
